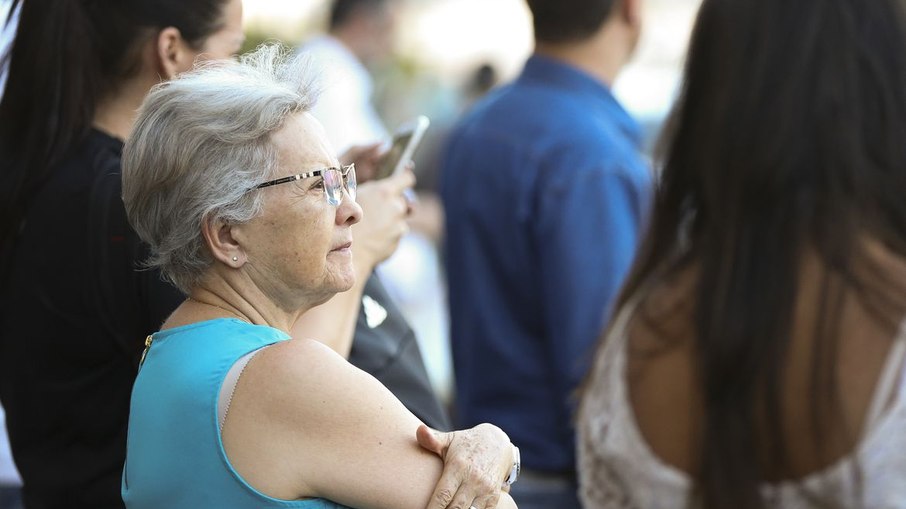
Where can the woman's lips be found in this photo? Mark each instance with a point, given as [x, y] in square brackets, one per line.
[343, 247]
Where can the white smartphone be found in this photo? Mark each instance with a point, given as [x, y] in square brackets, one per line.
[402, 148]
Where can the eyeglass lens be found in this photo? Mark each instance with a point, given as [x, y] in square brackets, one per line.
[333, 184]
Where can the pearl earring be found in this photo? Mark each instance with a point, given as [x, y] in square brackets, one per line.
[235, 258]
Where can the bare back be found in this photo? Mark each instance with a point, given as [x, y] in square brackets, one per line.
[666, 397]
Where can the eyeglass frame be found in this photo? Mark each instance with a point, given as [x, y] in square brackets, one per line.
[346, 182]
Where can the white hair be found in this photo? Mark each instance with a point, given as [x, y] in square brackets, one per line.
[200, 143]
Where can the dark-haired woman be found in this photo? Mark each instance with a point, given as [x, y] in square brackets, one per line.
[73, 310]
[757, 355]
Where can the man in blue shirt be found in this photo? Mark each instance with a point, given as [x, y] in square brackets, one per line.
[545, 194]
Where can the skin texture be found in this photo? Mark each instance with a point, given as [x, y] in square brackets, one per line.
[293, 253]
[469, 475]
[226, 42]
[303, 422]
[375, 238]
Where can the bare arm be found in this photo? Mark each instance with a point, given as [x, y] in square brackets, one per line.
[323, 428]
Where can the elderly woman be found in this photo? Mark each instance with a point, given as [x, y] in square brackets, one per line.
[246, 209]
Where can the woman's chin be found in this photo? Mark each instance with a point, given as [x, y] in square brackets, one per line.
[343, 280]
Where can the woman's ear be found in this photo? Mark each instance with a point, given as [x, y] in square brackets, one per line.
[632, 12]
[173, 53]
[224, 247]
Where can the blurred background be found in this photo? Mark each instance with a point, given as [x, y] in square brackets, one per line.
[447, 53]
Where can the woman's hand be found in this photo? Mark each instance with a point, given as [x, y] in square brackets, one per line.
[366, 159]
[385, 210]
[476, 463]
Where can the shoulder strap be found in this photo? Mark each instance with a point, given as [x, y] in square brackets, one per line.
[229, 385]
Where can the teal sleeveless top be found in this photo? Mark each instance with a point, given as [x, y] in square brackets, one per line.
[174, 454]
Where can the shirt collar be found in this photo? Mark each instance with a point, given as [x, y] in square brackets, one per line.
[556, 73]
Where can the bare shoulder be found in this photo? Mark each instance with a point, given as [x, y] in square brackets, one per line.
[304, 384]
[306, 373]
[285, 398]
[341, 434]
[300, 358]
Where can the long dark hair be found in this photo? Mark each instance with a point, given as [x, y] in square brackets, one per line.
[66, 57]
[789, 136]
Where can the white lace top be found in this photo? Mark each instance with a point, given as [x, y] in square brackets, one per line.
[618, 470]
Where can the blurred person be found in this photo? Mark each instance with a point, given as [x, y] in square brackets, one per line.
[758, 358]
[234, 185]
[74, 309]
[545, 193]
[477, 83]
[359, 34]
[10, 480]
[409, 288]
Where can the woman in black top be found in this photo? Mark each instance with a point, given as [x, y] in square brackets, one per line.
[73, 309]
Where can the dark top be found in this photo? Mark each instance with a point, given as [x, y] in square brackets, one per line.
[545, 193]
[74, 319]
[390, 353]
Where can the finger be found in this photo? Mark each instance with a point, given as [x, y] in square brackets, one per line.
[487, 501]
[401, 207]
[364, 175]
[444, 494]
[482, 489]
[353, 153]
[370, 155]
[433, 441]
[462, 498]
[402, 181]
[411, 200]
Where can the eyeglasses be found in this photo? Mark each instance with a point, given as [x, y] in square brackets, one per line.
[334, 179]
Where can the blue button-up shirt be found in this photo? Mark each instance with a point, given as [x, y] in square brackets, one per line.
[545, 193]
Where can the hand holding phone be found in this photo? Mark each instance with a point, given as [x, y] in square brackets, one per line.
[402, 148]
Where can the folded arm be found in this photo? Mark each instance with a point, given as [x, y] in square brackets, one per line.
[305, 423]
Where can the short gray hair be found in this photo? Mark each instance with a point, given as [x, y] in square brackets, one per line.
[200, 142]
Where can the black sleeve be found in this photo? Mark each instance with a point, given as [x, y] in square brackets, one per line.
[157, 296]
[132, 301]
[385, 347]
